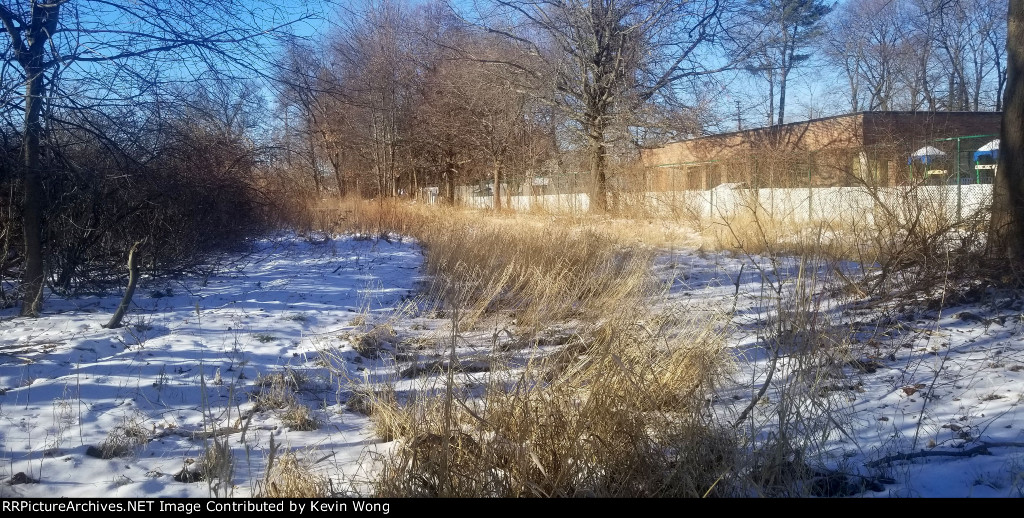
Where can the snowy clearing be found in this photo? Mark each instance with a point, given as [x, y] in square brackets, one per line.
[195, 361]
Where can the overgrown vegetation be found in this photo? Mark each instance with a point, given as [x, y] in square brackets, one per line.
[289, 476]
[192, 196]
[622, 408]
[123, 440]
[625, 416]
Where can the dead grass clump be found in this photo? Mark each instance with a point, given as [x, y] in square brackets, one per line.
[388, 418]
[360, 402]
[300, 418]
[123, 440]
[373, 343]
[217, 466]
[289, 477]
[440, 367]
[278, 392]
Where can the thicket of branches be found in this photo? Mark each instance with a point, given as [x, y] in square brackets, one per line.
[167, 174]
[103, 144]
[404, 97]
[930, 55]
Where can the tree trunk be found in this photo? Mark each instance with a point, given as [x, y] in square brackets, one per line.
[599, 192]
[782, 98]
[1000, 76]
[951, 97]
[34, 198]
[336, 164]
[449, 183]
[497, 186]
[30, 56]
[314, 170]
[787, 66]
[1006, 235]
[414, 186]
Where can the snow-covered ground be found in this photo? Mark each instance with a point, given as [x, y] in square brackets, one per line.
[193, 358]
[938, 379]
[186, 362]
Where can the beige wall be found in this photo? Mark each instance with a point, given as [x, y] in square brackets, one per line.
[772, 155]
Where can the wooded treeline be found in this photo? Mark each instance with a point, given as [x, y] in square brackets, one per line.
[402, 96]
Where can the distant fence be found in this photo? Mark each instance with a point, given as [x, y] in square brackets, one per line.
[948, 177]
[797, 205]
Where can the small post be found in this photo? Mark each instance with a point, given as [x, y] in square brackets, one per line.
[810, 188]
[959, 184]
[711, 203]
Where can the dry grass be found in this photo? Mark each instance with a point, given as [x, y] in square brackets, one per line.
[536, 270]
[622, 410]
[386, 415]
[299, 418]
[290, 477]
[902, 238]
[124, 439]
[279, 392]
[217, 466]
[377, 340]
[625, 417]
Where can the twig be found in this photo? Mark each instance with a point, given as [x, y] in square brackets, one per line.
[981, 449]
[736, 295]
[935, 378]
[760, 393]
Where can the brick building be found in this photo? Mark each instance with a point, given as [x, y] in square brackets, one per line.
[870, 147]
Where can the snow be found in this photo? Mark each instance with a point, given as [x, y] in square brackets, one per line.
[67, 381]
[929, 382]
[928, 151]
[991, 146]
[923, 382]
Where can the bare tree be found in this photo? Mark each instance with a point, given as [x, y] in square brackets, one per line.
[440, 123]
[867, 41]
[961, 36]
[952, 40]
[919, 74]
[790, 28]
[605, 58]
[474, 110]
[371, 59]
[308, 97]
[920, 54]
[494, 106]
[995, 38]
[845, 50]
[75, 44]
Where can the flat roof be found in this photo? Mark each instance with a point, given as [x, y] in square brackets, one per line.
[820, 119]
